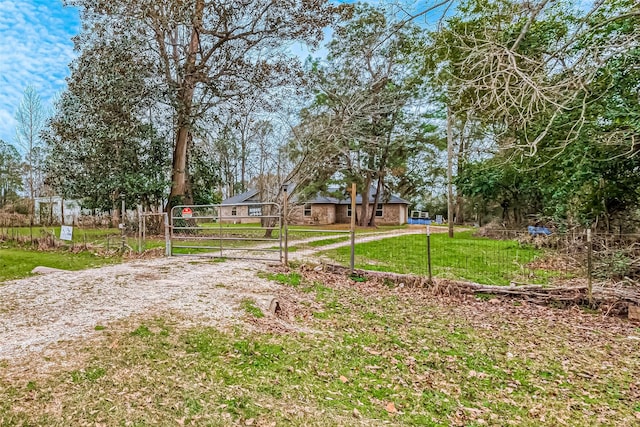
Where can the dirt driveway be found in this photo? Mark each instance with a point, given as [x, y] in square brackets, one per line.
[39, 311]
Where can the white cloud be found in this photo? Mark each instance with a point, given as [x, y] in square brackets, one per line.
[36, 49]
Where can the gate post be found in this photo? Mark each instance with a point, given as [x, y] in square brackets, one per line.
[167, 236]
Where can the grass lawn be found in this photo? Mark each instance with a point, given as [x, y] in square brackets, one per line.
[482, 260]
[16, 262]
[355, 354]
[80, 235]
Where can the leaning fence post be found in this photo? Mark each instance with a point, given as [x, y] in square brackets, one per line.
[429, 253]
[589, 267]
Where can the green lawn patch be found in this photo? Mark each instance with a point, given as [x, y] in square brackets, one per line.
[251, 308]
[481, 260]
[291, 279]
[16, 262]
[325, 242]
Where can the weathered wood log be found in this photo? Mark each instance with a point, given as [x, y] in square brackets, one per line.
[602, 295]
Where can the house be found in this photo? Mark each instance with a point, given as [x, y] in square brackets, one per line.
[243, 208]
[319, 210]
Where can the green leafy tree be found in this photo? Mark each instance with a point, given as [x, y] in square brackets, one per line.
[10, 173]
[205, 52]
[556, 90]
[102, 147]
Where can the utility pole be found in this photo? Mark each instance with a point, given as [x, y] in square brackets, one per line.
[450, 206]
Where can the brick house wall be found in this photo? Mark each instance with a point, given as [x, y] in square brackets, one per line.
[241, 215]
[392, 214]
[321, 214]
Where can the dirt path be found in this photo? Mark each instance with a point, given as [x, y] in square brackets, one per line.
[39, 311]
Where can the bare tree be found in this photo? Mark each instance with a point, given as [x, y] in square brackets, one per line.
[31, 120]
[361, 127]
[511, 62]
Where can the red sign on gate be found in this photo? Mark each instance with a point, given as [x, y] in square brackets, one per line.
[187, 213]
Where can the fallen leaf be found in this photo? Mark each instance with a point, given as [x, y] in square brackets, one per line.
[371, 351]
[249, 422]
[391, 408]
[343, 378]
[356, 413]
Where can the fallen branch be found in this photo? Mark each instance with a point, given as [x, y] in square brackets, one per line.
[606, 297]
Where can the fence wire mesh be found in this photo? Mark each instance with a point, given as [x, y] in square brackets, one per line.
[506, 257]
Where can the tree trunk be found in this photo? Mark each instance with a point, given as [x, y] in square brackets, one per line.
[376, 200]
[459, 198]
[115, 213]
[450, 170]
[243, 163]
[179, 193]
[364, 195]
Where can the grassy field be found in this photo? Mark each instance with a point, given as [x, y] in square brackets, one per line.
[482, 260]
[80, 235]
[16, 262]
[353, 354]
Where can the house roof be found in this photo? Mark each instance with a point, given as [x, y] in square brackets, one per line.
[240, 198]
[347, 200]
[319, 198]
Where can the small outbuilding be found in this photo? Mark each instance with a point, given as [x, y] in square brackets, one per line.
[56, 210]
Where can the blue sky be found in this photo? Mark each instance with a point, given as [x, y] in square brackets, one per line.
[35, 49]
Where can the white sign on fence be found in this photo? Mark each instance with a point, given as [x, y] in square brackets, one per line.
[66, 232]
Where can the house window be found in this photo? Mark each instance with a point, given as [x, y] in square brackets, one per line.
[379, 209]
[234, 211]
[307, 209]
[255, 210]
[349, 211]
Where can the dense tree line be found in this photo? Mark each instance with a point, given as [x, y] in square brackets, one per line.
[178, 102]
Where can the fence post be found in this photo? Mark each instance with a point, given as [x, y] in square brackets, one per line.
[122, 224]
[429, 253]
[589, 267]
[353, 227]
[285, 213]
[139, 229]
[167, 235]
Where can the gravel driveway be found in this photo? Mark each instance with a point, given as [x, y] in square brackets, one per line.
[39, 311]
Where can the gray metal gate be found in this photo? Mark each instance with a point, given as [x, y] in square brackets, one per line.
[244, 230]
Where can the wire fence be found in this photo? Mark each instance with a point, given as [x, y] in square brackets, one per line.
[495, 257]
[507, 257]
